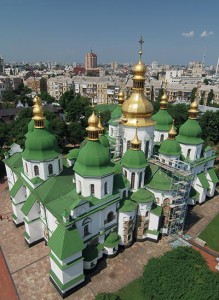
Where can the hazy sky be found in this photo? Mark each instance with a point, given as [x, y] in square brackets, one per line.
[175, 32]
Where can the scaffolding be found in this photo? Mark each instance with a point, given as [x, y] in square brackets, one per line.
[174, 212]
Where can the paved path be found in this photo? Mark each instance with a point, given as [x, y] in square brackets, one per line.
[29, 266]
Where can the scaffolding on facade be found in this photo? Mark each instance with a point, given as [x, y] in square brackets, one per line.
[174, 212]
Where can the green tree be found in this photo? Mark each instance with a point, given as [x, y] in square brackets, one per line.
[210, 97]
[209, 123]
[160, 94]
[180, 274]
[9, 96]
[3, 133]
[205, 81]
[179, 113]
[66, 98]
[47, 98]
[193, 94]
[76, 133]
[59, 128]
[201, 102]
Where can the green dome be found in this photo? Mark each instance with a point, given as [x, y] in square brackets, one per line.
[190, 133]
[128, 206]
[143, 196]
[104, 141]
[41, 145]
[93, 160]
[115, 115]
[73, 154]
[112, 240]
[170, 147]
[163, 119]
[134, 159]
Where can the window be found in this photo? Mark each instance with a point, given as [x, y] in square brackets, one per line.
[128, 145]
[125, 173]
[86, 223]
[59, 165]
[79, 186]
[161, 137]
[86, 230]
[140, 179]
[146, 148]
[105, 188]
[110, 217]
[26, 167]
[36, 170]
[92, 191]
[132, 180]
[50, 169]
[188, 153]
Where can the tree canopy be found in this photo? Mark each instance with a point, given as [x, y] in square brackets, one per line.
[180, 274]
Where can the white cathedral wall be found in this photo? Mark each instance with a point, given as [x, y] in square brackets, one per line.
[153, 222]
[125, 216]
[211, 190]
[11, 177]
[143, 208]
[202, 192]
[18, 213]
[113, 131]
[137, 172]
[191, 151]
[51, 221]
[35, 230]
[144, 134]
[83, 185]
[169, 159]
[160, 135]
[160, 195]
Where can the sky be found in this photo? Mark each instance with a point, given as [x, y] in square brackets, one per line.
[174, 31]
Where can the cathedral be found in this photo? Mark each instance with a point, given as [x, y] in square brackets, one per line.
[132, 183]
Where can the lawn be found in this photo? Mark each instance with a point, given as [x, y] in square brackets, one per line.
[211, 234]
[103, 107]
[132, 291]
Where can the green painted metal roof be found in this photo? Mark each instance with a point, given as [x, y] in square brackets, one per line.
[134, 159]
[93, 160]
[116, 113]
[28, 204]
[65, 242]
[208, 148]
[213, 175]
[120, 182]
[203, 180]
[194, 194]
[118, 167]
[157, 179]
[128, 206]
[73, 154]
[143, 196]
[163, 119]
[37, 180]
[154, 232]
[90, 252]
[104, 141]
[190, 133]
[18, 184]
[112, 240]
[41, 145]
[170, 147]
[156, 210]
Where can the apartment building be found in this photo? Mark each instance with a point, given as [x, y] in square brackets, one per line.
[57, 86]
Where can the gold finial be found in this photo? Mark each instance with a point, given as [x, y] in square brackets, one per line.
[121, 97]
[136, 143]
[141, 42]
[172, 133]
[164, 98]
[38, 113]
[92, 129]
[100, 126]
[193, 111]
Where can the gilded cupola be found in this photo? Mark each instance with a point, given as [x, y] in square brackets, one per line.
[92, 129]
[38, 113]
[137, 109]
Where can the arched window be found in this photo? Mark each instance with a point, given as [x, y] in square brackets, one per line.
[105, 188]
[128, 144]
[110, 217]
[125, 173]
[132, 180]
[26, 166]
[87, 226]
[50, 169]
[36, 170]
[92, 190]
[86, 230]
[140, 179]
[59, 165]
[188, 153]
[161, 137]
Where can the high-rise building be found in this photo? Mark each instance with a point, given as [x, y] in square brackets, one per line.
[1, 65]
[90, 61]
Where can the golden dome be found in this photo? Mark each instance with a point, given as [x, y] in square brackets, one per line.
[37, 100]
[38, 113]
[193, 111]
[100, 126]
[93, 120]
[139, 68]
[92, 129]
[135, 143]
[37, 110]
[172, 133]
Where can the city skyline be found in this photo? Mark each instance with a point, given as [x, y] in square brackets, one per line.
[174, 33]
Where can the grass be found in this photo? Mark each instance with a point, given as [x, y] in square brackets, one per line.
[133, 291]
[210, 234]
[103, 107]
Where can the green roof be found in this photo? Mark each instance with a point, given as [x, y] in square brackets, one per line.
[134, 159]
[156, 210]
[213, 175]
[154, 232]
[90, 252]
[65, 242]
[170, 147]
[156, 178]
[36, 180]
[163, 119]
[118, 167]
[28, 204]
[208, 148]
[104, 141]
[94, 160]
[14, 161]
[203, 180]
[16, 187]
[128, 206]
[203, 160]
[112, 240]
[190, 133]
[116, 113]
[73, 154]
[120, 182]
[143, 196]
[41, 145]
[194, 194]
